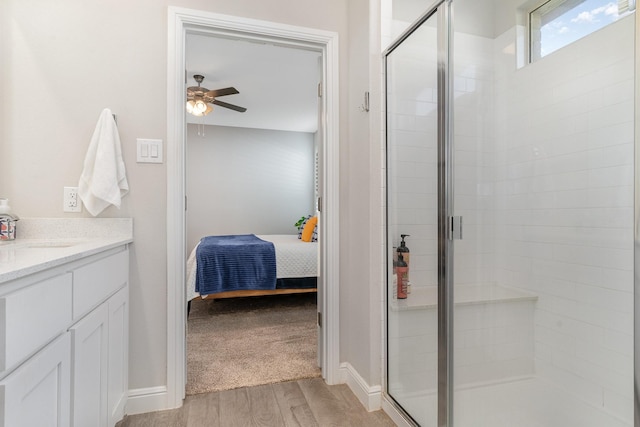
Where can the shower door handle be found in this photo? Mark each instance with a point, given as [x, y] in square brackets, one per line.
[455, 228]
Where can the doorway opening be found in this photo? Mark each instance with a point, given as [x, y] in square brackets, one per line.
[251, 171]
[183, 22]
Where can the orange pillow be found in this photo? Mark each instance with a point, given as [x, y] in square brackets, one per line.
[307, 231]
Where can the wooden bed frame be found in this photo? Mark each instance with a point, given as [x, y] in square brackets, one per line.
[256, 293]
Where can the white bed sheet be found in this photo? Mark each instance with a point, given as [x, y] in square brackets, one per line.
[294, 258]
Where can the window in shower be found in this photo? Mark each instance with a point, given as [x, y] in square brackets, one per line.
[558, 23]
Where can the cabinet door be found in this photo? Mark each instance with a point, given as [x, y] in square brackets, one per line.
[118, 355]
[37, 394]
[89, 369]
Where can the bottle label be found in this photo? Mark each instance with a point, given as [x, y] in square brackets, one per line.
[403, 281]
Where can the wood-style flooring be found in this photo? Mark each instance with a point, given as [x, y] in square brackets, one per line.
[299, 403]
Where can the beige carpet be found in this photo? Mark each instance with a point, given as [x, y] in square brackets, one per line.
[250, 341]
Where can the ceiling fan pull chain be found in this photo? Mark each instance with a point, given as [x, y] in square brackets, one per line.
[201, 128]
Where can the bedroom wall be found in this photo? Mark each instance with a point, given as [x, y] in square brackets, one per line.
[243, 181]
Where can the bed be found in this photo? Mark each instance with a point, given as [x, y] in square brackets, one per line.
[296, 267]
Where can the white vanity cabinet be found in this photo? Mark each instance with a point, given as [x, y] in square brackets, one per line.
[64, 344]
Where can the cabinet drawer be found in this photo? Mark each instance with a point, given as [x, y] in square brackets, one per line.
[93, 283]
[33, 316]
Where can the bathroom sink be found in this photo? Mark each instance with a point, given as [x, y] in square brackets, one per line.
[49, 245]
[39, 244]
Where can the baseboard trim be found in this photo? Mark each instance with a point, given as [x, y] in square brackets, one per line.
[369, 396]
[150, 399]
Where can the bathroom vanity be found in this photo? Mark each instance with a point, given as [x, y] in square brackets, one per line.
[64, 294]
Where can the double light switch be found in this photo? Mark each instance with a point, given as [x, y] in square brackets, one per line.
[149, 150]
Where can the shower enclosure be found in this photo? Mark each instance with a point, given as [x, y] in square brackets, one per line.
[514, 181]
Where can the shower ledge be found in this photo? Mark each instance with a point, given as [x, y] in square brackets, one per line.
[426, 297]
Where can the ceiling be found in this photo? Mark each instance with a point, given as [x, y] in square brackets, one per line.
[277, 85]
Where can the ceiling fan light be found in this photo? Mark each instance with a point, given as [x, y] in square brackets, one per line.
[200, 106]
[190, 106]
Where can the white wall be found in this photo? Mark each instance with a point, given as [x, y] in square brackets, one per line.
[355, 224]
[244, 181]
[78, 58]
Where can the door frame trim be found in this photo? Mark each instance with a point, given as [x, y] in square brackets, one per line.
[180, 22]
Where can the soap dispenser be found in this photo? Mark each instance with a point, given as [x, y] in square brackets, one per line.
[7, 221]
[403, 248]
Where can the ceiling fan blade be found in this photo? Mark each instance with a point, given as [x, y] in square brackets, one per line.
[222, 92]
[230, 106]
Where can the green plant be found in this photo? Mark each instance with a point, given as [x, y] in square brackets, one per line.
[300, 221]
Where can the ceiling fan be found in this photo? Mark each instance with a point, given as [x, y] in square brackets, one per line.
[199, 98]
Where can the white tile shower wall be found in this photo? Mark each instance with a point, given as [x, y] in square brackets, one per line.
[473, 158]
[412, 127]
[412, 137]
[493, 342]
[564, 202]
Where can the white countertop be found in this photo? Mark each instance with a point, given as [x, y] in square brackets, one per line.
[48, 243]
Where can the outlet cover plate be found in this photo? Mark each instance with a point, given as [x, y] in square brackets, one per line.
[71, 200]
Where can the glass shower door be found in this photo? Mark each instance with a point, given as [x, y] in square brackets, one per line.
[412, 211]
[528, 319]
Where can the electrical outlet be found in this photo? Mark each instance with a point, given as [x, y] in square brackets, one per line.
[71, 201]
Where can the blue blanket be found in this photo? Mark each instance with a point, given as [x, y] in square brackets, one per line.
[231, 263]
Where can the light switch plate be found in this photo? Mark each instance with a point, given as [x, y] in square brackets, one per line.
[149, 150]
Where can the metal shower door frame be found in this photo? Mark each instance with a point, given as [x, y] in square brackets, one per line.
[442, 9]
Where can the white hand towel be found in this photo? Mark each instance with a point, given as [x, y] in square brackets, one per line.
[103, 181]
